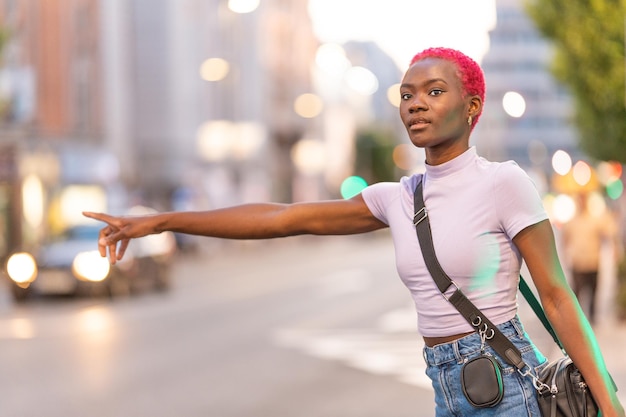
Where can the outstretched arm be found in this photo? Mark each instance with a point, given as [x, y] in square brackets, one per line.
[249, 221]
[537, 246]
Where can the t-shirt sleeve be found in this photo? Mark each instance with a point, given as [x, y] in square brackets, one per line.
[518, 203]
[378, 196]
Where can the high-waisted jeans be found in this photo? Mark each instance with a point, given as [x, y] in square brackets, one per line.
[443, 367]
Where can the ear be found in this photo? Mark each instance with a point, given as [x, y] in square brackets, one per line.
[475, 106]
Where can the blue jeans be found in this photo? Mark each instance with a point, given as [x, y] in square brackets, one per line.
[443, 367]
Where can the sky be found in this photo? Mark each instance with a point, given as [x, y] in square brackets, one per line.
[404, 27]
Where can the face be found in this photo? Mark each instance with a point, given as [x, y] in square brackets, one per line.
[433, 108]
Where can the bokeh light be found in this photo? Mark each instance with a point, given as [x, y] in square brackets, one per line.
[331, 58]
[581, 173]
[308, 105]
[91, 197]
[596, 204]
[393, 95]
[352, 186]
[362, 80]
[561, 162]
[33, 200]
[213, 139]
[615, 189]
[514, 104]
[609, 171]
[214, 69]
[219, 140]
[402, 156]
[243, 6]
[309, 156]
[563, 208]
[22, 268]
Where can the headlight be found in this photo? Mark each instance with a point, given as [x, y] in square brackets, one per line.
[90, 266]
[22, 268]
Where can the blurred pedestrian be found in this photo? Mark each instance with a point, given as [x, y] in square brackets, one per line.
[583, 238]
[486, 219]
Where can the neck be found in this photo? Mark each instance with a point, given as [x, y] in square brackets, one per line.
[435, 156]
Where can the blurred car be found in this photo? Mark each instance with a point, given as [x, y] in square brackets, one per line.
[71, 265]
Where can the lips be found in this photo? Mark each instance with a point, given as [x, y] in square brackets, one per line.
[418, 123]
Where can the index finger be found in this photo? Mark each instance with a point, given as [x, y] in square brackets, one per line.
[99, 216]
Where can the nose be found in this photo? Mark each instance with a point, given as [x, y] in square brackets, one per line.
[417, 104]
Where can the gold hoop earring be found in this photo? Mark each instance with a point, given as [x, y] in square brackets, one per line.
[469, 121]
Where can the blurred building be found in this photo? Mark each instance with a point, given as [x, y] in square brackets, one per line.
[50, 111]
[127, 95]
[369, 55]
[190, 125]
[518, 61]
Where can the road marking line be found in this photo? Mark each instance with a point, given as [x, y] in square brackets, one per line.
[391, 349]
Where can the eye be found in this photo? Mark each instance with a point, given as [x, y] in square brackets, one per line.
[436, 92]
[405, 96]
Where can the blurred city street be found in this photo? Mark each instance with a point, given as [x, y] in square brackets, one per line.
[295, 327]
[131, 107]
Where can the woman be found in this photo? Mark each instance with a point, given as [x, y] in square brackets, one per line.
[485, 218]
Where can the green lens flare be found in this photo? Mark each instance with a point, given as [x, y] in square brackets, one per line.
[351, 186]
[615, 189]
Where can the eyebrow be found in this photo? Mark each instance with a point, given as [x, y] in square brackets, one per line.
[426, 83]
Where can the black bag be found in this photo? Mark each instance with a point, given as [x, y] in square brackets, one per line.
[563, 391]
[481, 380]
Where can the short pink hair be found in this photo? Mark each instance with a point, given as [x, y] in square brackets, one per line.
[469, 72]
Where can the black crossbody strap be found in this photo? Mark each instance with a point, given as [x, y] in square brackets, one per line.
[468, 310]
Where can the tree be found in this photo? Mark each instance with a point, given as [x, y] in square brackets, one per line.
[374, 150]
[588, 36]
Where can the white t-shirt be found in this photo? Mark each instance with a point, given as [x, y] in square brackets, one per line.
[475, 208]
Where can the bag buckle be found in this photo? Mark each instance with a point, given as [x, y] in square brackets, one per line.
[539, 385]
[452, 284]
[422, 214]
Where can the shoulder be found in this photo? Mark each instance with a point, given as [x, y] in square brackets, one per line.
[500, 172]
[509, 176]
[405, 185]
[510, 168]
[517, 198]
[385, 198]
[506, 169]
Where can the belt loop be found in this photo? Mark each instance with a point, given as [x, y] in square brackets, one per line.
[457, 352]
[517, 325]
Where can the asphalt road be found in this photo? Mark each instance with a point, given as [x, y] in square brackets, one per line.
[295, 327]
